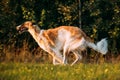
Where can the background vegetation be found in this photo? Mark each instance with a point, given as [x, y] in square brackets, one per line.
[99, 19]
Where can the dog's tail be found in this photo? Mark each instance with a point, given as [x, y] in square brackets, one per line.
[101, 46]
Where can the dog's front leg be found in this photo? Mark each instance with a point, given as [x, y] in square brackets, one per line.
[58, 53]
[55, 62]
[57, 57]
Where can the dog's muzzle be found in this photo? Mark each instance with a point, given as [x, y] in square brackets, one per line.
[21, 29]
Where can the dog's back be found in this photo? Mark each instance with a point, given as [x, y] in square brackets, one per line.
[62, 34]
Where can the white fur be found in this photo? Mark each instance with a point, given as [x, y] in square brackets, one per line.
[102, 46]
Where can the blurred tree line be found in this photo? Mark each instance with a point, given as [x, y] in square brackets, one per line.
[99, 19]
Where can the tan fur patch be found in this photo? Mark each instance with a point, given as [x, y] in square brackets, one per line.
[75, 31]
[51, 36]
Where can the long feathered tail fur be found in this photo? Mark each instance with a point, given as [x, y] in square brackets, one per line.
[101, 46]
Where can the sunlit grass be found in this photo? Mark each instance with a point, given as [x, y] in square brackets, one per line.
[35, 71]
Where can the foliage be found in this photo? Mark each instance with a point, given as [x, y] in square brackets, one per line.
[28, 14]
[100, 19]
[68, 13]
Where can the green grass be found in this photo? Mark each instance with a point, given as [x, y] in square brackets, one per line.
[35, 71]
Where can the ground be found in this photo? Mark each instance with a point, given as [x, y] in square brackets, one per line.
[36, 71]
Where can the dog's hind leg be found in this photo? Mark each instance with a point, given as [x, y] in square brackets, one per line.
[77, 55]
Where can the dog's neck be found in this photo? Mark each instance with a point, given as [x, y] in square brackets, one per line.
[35, 32]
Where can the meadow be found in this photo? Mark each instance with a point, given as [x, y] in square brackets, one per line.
[81, 71]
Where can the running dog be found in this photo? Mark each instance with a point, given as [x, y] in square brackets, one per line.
[64, 38]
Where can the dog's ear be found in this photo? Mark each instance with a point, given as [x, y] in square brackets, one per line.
[37, 29]
[27, 23]
[30, 23]
[33, 22]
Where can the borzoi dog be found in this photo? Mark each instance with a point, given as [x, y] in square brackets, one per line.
[64, 38]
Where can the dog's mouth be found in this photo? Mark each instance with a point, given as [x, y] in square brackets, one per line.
[22, 29]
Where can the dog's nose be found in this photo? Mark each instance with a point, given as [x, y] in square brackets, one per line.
[18, 27]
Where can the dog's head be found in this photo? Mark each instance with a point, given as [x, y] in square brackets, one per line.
[24, 27]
